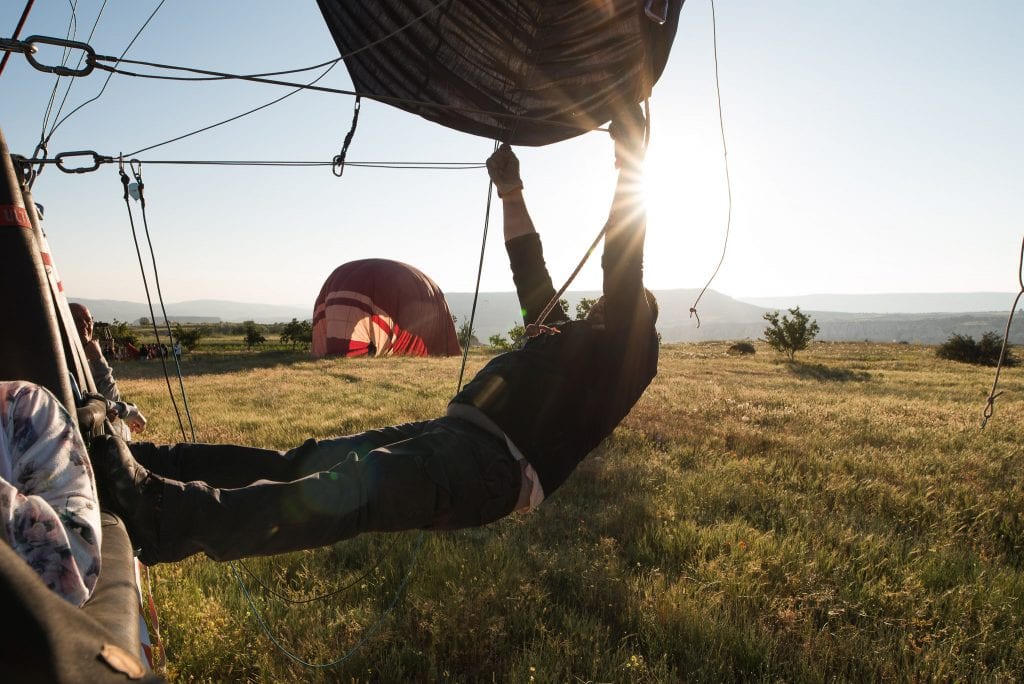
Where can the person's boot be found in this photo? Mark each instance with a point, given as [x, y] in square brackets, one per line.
[130, 491]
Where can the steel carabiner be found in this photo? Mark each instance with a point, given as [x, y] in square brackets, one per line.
[96, 161]
[60, 70]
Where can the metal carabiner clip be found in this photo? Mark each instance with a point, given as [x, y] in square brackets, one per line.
[96, 161]
[657, 15]
[90, 56]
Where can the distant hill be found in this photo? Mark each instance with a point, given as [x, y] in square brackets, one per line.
[196, 311]
[721, 317]
[724, 318]
[907, 303]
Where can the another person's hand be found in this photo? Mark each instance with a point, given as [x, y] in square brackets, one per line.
[627, 130]
[503, 168]
[134, 418]
[92, 350]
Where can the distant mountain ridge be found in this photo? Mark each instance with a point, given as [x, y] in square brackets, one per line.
[195, 311]
[892, 303]
[720, 317]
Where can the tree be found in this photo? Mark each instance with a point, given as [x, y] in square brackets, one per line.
[789, 335]
[583, 307]
[306, 336]
[499, 342]
[122, 333]
[188, 337]
[295, 333]
[253, 335]
[465, 334]
[517, 335]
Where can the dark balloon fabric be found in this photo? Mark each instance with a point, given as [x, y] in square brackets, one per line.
[380, 307]
[493, 68]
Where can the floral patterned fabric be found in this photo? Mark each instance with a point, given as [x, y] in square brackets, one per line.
[49, 513]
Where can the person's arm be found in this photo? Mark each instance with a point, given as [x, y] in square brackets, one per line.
[102, 373]
[622, 260]
[525, 253]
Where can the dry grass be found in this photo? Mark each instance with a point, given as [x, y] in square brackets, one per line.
[838, 518]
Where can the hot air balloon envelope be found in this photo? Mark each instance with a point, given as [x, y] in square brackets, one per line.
[530, 72]
[380, 307]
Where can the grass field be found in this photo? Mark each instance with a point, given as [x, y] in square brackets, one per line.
[842, 518]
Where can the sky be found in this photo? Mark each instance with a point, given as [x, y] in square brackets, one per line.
[873, 147]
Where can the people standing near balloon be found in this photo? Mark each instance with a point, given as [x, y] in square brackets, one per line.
[103, 375]
[509, 439]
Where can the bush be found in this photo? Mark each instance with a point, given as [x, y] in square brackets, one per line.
[189, 337]
[742, 348]
[963, 348]
[789, 335]
[499, 342]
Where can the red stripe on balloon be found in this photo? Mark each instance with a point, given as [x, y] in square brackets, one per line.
[14, 217]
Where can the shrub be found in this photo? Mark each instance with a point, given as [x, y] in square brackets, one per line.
[189, 337]
[963, 348]
[789, 335]
[499, 342]
[742, 348]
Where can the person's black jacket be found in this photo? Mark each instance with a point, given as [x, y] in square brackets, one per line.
[560, 395]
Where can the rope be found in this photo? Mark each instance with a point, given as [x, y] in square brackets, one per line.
[725, 158]
[479, 273]
[338, 163]
[419, 541]
[537, 327]
[990, 403]
[334, 592]
[369, 632]
[17, 32]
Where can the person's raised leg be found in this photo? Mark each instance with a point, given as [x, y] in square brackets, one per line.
[220, 465]
[453, 475]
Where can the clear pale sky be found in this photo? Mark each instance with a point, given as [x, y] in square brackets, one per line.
[873, 146]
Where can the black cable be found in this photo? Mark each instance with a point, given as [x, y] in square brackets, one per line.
[149, 301]
[100, 93]
[233, 118]
[386, 99]
[188, 79]
[412, 165]
[216, 76]
[72, 29]
[80, 59]
[334, 592]
[479, 274]
[136, 168]
[725, 157]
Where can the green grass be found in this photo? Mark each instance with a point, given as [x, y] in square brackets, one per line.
[840, 518]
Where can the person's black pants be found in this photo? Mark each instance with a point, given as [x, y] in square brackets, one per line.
[231, 501]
